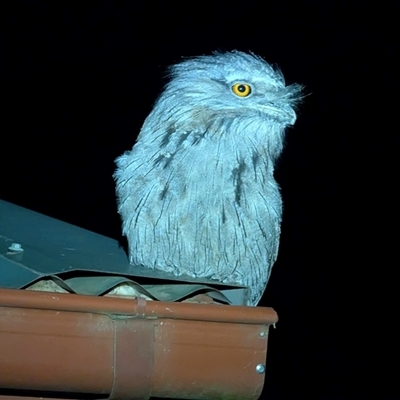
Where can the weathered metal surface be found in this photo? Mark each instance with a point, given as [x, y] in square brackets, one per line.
[50, 350]
[130, 349]
[196, 360]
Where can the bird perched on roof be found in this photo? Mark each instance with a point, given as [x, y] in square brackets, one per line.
[197, 193]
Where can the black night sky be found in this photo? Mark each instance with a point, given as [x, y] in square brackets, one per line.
[78, 79]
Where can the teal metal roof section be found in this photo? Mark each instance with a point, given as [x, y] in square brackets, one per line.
[35, 247]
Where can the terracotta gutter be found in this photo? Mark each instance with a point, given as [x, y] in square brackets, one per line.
[63, 345]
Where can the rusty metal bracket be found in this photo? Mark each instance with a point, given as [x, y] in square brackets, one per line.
[133, 356]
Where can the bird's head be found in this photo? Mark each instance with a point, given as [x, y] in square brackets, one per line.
[233, 99]
[232, 85]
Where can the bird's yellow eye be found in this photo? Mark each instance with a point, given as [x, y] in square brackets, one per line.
[241, 89]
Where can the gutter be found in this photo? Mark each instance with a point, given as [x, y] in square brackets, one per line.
[57, 345]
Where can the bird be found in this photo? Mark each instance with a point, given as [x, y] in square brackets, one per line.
[197, 194]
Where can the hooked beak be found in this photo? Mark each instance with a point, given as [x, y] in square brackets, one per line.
[284, 114]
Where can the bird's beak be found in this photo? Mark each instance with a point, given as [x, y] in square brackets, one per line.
[285, 114]
[290, 115]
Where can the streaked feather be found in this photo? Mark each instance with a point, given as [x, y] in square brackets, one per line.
[196, 193]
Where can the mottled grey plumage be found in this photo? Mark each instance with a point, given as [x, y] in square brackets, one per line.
[196, 193]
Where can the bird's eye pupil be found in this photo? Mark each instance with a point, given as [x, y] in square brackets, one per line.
[241, 89]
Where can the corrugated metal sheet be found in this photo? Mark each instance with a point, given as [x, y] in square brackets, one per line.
[83, 262]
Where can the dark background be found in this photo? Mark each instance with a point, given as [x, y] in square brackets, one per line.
[78, 78]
